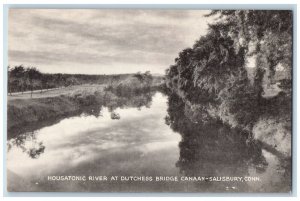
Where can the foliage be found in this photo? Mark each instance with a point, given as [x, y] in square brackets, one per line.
[144, 77]
[211, 77]
[269, 39]
[138, 84]
[22, 79]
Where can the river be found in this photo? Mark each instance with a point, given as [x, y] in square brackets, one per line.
[138, 140]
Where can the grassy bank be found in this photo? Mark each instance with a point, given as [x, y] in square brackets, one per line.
[21, 112]
[48, 107]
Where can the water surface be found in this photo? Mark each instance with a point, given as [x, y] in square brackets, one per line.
[136, 140]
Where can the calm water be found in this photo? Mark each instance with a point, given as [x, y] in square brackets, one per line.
[137, 139]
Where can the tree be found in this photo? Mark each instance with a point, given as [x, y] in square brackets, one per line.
[269, 40]
[139, 76]
[10, 80]
[148, 78]
[211, 77]
[34, 77]
[17, 78]
[71, 81]
[45, 78]
[201, 72]
[145, 78]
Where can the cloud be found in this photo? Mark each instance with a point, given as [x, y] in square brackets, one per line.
[147, 37]
[103, 39]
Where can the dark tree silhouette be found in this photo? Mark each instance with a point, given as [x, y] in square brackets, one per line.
[34, 77]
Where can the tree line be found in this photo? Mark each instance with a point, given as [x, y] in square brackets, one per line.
[139, 83]
[212, 78]
[21, 79]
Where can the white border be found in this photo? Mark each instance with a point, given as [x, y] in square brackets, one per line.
[145, 2]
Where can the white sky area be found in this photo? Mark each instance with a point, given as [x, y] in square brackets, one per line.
[99, 41]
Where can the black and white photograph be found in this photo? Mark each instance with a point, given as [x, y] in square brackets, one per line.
[134, 100]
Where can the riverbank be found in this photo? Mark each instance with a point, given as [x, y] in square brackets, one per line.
[68, 91]
[23, 110]
[49, 107]
[272, 128]
[33, 113]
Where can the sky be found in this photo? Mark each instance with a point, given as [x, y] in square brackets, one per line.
[99, 41]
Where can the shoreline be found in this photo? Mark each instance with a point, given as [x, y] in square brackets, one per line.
[34, 113]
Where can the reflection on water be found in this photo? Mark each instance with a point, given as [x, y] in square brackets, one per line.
[147, 135]
[138, 143]
[28, 144]
[216, 150]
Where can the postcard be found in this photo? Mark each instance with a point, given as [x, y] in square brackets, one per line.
[149, 100]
